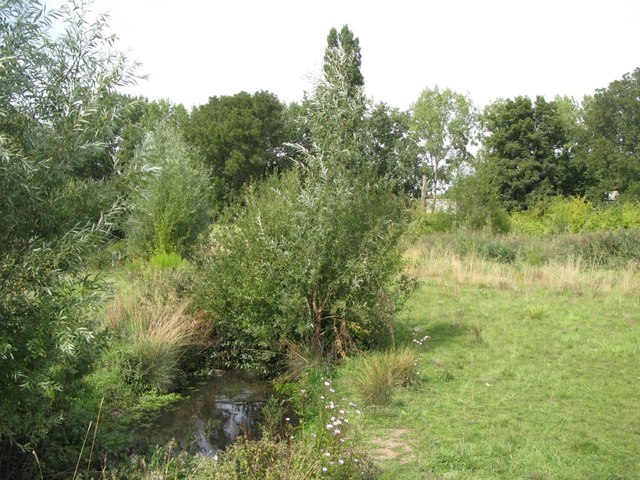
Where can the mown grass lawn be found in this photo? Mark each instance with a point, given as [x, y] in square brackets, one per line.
[518, 382]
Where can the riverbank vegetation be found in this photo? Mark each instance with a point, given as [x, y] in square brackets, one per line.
[488, 333]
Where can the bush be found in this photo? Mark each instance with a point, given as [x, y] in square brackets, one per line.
[528, 221]
[575, 215]
[311, 258]
[56, 208]
[478, 204]
[424, 222]
[567, 215]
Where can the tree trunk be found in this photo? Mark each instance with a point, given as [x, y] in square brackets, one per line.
[317, 324]
[435, 188]
[423, 191]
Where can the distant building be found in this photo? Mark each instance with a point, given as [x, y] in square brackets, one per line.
[442, 205]
[613, 196]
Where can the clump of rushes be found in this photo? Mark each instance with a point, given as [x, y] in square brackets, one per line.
[382, 372]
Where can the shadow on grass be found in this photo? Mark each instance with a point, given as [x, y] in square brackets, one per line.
[441, 332]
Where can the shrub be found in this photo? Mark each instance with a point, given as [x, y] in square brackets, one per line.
[528, 221]
[424, 222]
[631, 215]
[312, 258]
[567, 215]
[478, 204]
[54, 127]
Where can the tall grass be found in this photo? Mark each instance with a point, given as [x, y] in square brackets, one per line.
[154, 329]
[438, 257]
[380, 373]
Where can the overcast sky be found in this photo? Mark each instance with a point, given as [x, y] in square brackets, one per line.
[488, 49]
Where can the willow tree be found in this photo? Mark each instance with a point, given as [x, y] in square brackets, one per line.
[55, 119]
[311, 259]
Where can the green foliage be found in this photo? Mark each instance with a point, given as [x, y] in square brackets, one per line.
[568, 215]
[478, 204]
[529, 222]
[610, 150]
[392, 149]
[423, 222]
[55, 208]
[171, 207]
[165, 260]
[574, 215]
[239, 139]
[344, 47]
[310, 258]
[336, 116]
[526, 151]
[442, 126]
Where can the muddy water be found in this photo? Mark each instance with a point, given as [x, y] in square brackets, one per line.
[213, 416]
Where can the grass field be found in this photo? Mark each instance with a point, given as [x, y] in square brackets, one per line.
[530, 373]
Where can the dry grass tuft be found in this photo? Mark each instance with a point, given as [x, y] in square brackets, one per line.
[157, 329]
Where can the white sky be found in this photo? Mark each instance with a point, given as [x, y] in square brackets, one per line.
[488, 49]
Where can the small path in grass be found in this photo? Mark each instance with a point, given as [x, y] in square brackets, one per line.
[392, 445]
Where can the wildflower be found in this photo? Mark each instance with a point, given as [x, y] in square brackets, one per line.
[326, 384]
[358, 412]
[287, 419]
[324, 469]
[332, 390]
[341, 461]
[327, 454]
[336, 431]
[329, 426]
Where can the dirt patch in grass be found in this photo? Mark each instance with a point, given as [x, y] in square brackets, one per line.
[392, 445]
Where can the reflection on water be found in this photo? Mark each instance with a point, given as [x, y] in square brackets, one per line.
[216, 413]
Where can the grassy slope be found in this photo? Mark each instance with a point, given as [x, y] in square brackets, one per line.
[519, 382]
